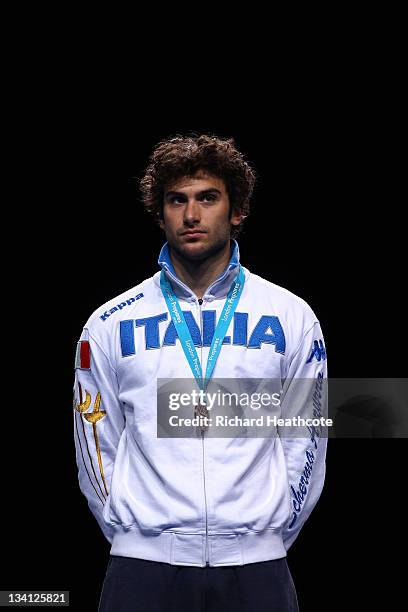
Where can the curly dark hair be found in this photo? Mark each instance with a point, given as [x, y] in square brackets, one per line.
[180, 156]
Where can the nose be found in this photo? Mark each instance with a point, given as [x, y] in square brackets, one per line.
[191, 212]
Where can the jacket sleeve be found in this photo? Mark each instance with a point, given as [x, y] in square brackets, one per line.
[98, 425]
[305, 395]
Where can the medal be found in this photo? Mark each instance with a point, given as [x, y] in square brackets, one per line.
[201, 411]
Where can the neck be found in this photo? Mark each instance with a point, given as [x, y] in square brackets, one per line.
[198, 275]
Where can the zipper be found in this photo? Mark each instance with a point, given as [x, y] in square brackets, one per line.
[207, 560]
[200, 301]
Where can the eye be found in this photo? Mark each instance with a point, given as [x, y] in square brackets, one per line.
[176, 199]
[209, 197]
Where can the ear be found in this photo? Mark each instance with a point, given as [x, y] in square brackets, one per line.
[237, 217]
[161, 223]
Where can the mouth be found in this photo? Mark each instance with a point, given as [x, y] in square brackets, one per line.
[193, 234]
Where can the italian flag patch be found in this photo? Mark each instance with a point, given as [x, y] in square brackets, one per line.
[83, 353]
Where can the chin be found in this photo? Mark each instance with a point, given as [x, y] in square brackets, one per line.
[194, 250]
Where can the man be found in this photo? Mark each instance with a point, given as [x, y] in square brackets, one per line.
[200, 522]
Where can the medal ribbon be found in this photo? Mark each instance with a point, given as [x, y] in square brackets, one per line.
[183, 332]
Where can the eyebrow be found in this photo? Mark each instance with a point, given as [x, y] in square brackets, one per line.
[170, 194]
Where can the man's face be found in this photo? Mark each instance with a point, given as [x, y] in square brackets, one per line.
[196, 216]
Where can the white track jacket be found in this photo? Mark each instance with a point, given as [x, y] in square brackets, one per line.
[194, 501]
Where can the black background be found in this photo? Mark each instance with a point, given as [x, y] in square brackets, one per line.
[326, 224]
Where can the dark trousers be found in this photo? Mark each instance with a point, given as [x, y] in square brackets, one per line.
[136, 585]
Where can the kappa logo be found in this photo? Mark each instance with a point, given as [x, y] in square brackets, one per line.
[268, 330]
[318, 351]
[108, 313]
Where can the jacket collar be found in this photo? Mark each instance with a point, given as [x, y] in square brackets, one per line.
[218, 289]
